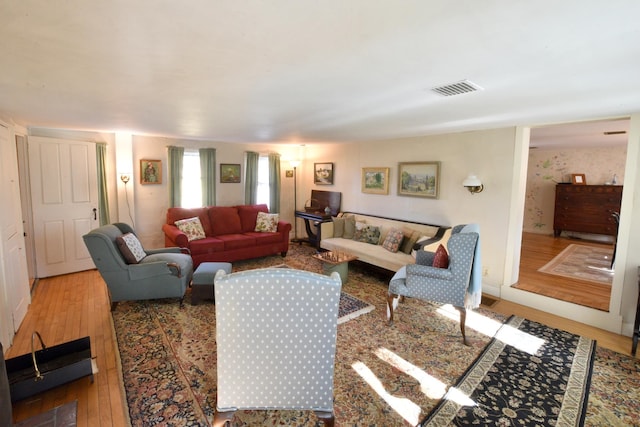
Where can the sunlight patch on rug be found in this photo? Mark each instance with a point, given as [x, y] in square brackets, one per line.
[583, 263]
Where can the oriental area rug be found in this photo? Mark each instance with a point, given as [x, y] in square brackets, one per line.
[529, 374]
[384, 375]
[582, 262]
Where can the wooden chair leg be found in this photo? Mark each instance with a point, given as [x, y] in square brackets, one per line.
[463, 321]
[326, 417]
[390, 299]
[114, 305]
[221, 418]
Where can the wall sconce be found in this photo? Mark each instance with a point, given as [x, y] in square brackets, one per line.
[473, 184]
[124, 177]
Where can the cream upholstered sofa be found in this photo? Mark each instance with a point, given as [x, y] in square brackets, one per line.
[372, 251]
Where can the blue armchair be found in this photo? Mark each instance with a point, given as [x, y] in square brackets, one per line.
[458, 285]
[162, 273]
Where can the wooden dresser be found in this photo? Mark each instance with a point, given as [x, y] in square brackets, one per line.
[587, 208]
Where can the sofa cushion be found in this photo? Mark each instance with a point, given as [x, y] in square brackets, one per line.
[349, 227]
[206, 246]
[367, 234]
[267, 222]
[225, 220]
[176, 214]
[441, 258]
[130, 248]
[237, 241]
[263, 238]
[410, 239]
[338, 227]
[192, 228]
[393, 240]
[248, 215]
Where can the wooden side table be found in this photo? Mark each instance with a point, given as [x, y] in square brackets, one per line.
[636, 324]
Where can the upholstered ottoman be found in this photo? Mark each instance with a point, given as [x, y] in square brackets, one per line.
[202, 281]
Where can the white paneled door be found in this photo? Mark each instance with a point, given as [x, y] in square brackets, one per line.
[64, 194]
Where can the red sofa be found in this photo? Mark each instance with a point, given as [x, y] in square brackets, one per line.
[230, 234]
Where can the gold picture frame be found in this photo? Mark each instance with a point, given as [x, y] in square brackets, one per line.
[229, 173]
[375, 180]
[419, 179]
[150, 171]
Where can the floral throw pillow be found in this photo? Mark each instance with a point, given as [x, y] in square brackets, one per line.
[267, 223]
[367, 233]
[130, 248]
[441, 258]
[192, 227]
[393, 240]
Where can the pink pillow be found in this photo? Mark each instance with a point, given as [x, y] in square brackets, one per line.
[441, 259]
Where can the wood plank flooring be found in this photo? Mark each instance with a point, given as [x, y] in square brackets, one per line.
[537, 250]
[75, 305]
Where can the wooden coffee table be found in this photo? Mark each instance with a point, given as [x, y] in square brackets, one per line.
[335, 261]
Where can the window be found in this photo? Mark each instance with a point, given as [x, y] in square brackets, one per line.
[191, 180]
[263, 181]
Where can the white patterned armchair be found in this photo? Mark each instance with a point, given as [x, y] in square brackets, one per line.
[460, 284]
[276, 341]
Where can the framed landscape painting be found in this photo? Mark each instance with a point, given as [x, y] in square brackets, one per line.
[419, 179]
[375, 180]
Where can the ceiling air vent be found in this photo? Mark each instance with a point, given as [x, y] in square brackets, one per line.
[464, 86]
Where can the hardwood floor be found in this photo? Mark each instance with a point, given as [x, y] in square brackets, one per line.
[76, 305]
[537, 250]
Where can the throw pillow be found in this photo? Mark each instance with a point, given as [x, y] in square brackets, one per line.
[349, 227]
[393, 240]
[338, 227]
[367, 234]
[192, 227]
[267, 223]
[130, 248]
[410, 239]
[441, 258]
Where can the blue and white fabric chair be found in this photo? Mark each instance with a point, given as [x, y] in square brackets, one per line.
[459, 285]
[276, 341]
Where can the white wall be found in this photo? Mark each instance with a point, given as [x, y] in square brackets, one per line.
[489, 154]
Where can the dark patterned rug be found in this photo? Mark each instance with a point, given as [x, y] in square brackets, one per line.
[383, 375]
[529, 374]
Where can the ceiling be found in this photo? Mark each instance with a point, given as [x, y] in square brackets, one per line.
[315, 71]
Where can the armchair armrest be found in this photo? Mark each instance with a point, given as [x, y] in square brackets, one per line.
[169, 250]
[146, 270]
[425, 271]
[425, 258]
[174, 234]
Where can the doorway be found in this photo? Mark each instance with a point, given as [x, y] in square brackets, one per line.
[25, 201]
[596, 149]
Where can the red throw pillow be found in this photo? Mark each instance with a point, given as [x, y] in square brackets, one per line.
[441, 259]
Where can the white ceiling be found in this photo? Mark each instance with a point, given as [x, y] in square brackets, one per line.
[315, 70]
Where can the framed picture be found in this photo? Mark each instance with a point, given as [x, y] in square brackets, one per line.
[375, 180]
[578, 179]
[229, 173]
[289, 173]
[150, 171]
[419, 179]
[323, 173]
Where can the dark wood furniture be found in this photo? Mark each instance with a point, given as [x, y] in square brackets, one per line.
[587, 208]
[636, 324]
[312, 223]
[315, 214]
